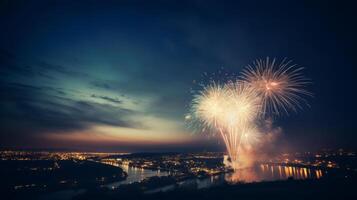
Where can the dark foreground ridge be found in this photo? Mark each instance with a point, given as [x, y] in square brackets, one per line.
[289, 189]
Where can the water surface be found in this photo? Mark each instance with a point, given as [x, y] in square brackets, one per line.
[257, 173]
[136, 174]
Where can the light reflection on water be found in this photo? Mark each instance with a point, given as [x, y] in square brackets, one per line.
[265, 172]
[136, 174]
[255, 174]
[258, 173]
[262, 172]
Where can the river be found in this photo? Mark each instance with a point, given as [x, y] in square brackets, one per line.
[136, 174]
[258, 173]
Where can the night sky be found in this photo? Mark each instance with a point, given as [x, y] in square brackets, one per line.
[117, 75]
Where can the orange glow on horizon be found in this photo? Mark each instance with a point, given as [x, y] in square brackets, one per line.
[113, 135]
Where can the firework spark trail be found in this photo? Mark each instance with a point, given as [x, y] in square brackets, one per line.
[234, 108]
[228, 108]
[281, 86]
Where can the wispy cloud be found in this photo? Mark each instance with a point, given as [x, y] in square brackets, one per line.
[109, 99]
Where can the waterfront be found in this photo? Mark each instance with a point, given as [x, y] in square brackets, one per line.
[79, 174]
[136, 174]
[258, 173]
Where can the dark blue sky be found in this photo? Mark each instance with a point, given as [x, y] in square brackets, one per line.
[117, 75]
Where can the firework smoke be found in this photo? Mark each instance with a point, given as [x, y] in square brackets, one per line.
[234, 109]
